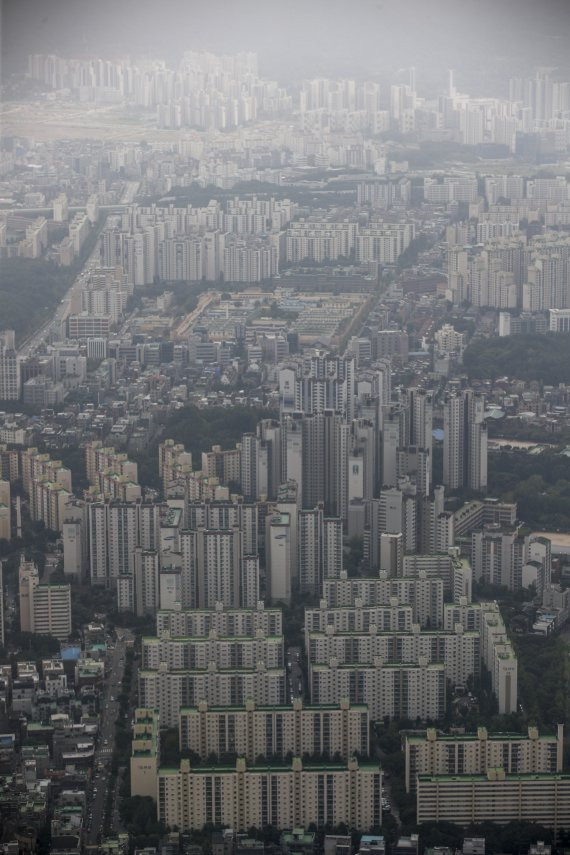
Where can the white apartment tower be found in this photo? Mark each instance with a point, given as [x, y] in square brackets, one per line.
[319, 549]
[44, 609]
[278, 557]
[214, 569]
[116, 529]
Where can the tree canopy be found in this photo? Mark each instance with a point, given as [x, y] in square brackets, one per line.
[543, 679]
[539, 483]
[545, 358]
[27, 288]
[199, 429]
[30, 289]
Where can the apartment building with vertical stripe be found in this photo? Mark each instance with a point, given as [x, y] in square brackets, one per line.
[252, 731]
[243, 796]
[433, 753]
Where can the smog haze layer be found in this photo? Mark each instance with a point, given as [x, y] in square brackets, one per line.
[485, 41]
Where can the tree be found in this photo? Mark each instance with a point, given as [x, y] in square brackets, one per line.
[353, 558]
[138, 813]
[30, 288]
[34, 645]
[199, 429]
[545, 358]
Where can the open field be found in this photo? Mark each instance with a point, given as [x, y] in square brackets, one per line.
[53, 120]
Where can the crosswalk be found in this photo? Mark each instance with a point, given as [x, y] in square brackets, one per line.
[105, 752]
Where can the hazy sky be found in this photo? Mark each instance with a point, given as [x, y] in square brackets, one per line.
[484, 40]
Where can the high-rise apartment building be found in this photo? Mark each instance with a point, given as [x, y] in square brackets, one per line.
[28, 579]
[52, 610]
[5, 511]
[115, 530]
[319, 549]
[392, 617]
[254, 467]
[146, 582]
[224, 651]
[223, 621]
[495, 797]
[423, 592]
[215, 569]
[465, 441]
[145, 756]
[101, 460]
[392, 690]
[75, 539]
[420, 418]
[275, 731]
[494, 556]
[10, 385]
[279, 557]
[169, 691]
[475, 753]
[44, 608]
[458, 649]
[278, 796]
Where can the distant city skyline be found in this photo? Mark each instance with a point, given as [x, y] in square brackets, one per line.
[484, 43]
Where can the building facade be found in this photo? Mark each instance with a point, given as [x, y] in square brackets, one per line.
[495, 797]
[253, 731]
[242, 797]
[434, 754]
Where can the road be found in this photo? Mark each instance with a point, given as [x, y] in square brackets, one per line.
[130, 191]
[294, 673]
[97, 794]
[203, 302]
[387, 794]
